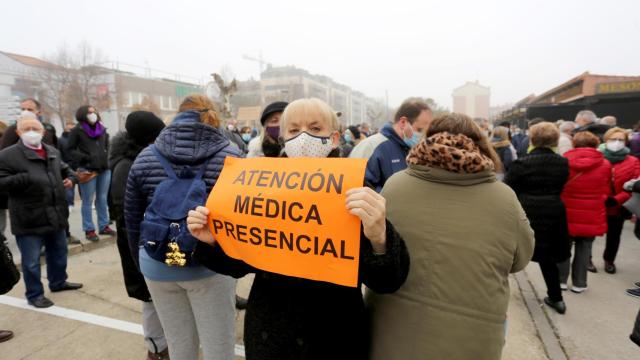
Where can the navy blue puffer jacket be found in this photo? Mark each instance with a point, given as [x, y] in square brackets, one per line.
[186, 142]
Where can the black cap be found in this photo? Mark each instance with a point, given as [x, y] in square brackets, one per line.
[354, 130]
[143, 127]
[275, 107]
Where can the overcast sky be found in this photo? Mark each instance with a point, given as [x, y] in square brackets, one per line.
[408, 48]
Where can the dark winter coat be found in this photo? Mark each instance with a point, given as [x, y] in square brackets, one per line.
[86, 152]
[388, 158]
[186, 143]
[585, 193]
[235, 138]
[37, 200]
[506, 156]
[122, 152]
[627, 169]
[294, 318]
[63, 147]
[538, 179]
[596, 129]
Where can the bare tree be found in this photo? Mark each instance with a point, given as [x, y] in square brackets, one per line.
[69, 79]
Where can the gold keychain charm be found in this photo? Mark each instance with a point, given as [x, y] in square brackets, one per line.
[175, 257]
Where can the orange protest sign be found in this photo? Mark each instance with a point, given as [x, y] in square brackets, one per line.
[289, 216]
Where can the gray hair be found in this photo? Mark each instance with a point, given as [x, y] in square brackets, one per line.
[588, 116]
[567, 126]
[609, 120]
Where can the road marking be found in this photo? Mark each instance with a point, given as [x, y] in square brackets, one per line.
[88, 318]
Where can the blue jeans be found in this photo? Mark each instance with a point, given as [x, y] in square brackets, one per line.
[55, 244]
[98, 187]
[71, 194]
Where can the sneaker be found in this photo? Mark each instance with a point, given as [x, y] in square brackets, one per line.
[609, 268]
[578, 290]
[559, 306]
[72, 240]
[92, 236]
[592, 268]
[634, 292]
[107, 231]
[563, 287]
[41, 302]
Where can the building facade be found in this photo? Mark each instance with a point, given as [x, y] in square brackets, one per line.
[472, 99]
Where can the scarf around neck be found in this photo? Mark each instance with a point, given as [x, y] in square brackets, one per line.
[614, 157]
[455, 153]
[93, 133]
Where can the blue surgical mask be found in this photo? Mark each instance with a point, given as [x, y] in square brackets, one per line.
[414, 140]
[246, 137]
[347, 137]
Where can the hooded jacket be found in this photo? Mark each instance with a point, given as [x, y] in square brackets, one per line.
[389, 157]
[122, 153]
[466, 232]
[585, 192]
[185, 143]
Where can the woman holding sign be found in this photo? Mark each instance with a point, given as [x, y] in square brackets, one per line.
[467, 232]
[295, 318]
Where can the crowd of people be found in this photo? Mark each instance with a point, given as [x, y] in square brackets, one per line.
[524, 195]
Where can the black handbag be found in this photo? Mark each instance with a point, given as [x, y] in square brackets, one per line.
[9, 274]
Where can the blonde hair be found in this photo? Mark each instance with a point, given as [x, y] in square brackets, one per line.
[204, 105]
[544, 135]
[310, 108]
[501, 133]
[614, 130]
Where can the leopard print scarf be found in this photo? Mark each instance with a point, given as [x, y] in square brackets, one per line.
[455, 153]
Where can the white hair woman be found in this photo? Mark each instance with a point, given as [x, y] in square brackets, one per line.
[295, 318]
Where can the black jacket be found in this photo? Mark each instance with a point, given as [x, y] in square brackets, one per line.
[538, 179]
[294, 318]
[63, 147]
[122, 152]
[37, 201]
[86, 152]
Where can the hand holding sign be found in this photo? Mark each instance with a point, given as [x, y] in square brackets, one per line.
[370, 207]
[197, 224]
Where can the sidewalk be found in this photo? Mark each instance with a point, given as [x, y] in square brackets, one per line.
[598, 322]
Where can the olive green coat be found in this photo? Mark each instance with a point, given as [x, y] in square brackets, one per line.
[465, 234]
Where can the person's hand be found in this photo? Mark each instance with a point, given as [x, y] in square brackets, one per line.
[67, 183]
[197, 223]
[611, 202]
[370, 207]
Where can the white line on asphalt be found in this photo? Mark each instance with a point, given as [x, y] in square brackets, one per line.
[85, 317]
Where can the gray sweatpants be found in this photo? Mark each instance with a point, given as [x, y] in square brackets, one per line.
[581, 257]
[153, 333]
[198, 312]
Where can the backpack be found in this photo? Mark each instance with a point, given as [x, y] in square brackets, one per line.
[164, 230]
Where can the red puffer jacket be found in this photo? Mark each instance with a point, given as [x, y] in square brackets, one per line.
[626, 170]
[585, 192]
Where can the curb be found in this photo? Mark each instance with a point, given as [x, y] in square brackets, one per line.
[547, 332]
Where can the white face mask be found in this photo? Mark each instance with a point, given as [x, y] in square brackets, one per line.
[92, 118]
[306, 145]
[32, 138]
[615, 145]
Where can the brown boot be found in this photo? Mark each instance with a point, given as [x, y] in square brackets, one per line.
[163, 355]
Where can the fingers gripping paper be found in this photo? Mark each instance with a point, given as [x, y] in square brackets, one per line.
[289, 216]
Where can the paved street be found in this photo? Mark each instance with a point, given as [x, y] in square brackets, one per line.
[596, 325]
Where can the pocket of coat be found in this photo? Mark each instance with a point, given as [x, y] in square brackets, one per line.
[154, 239]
